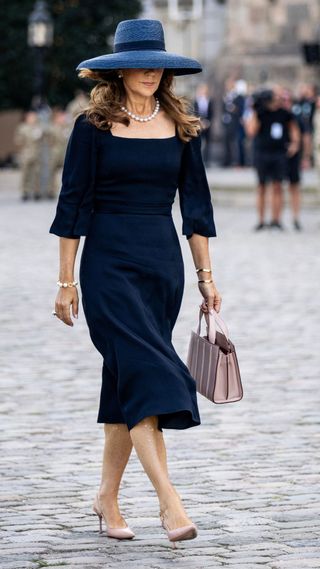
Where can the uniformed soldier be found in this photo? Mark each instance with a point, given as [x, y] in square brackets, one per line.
[77, 104]
[59, 131]
[27, 139]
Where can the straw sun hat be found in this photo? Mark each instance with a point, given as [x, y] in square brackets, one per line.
[140, 44]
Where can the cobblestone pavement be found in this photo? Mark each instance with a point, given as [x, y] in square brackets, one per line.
[249, 474]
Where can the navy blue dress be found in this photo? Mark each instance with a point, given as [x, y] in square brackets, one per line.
[118, 192]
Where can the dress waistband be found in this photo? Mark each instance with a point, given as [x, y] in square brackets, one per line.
[102, 206]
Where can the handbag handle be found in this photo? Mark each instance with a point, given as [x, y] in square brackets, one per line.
[212, 321]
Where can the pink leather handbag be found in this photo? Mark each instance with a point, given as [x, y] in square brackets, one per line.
[213, 363]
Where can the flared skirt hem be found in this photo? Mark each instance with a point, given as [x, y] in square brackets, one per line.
[174, 419]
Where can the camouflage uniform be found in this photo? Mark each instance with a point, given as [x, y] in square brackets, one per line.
[28, 141]
[58, 138]
[77, 105]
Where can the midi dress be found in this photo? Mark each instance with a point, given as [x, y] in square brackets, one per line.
[118, 193]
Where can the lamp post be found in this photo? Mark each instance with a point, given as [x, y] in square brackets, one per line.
[40, 38]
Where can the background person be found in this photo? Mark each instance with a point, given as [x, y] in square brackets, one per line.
[293, 163]
[241, 90]
[77, 104]
[304, 108]
[276, 137]
[204, 107]
[27, 139]
[233, 106]
[230, 122]
[58, 132]
[317, 136]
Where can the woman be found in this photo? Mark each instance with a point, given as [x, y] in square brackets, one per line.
[128, 152]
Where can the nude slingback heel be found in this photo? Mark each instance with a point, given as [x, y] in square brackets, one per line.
[119, 533]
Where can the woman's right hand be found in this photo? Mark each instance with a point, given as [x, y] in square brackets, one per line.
[66, 297]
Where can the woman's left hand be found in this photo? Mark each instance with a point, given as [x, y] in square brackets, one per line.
[211, 297]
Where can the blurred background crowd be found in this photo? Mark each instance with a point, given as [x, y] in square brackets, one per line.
[258, 96]
[235, 107]
[227, 144]
[40, 141]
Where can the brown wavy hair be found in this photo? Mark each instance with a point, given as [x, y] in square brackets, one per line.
[107, 97]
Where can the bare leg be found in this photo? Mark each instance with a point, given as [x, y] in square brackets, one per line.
[117, 450]
[261, 202]
[149, 445]
[277, 201]
[295, 200]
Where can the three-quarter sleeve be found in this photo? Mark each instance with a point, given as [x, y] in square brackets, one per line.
[75, 200]
[194, 192]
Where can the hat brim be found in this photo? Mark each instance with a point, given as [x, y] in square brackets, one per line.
[143, 59]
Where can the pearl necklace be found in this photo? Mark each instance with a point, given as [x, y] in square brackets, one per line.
[143, 119]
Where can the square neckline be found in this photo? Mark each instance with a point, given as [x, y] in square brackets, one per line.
[136, 138]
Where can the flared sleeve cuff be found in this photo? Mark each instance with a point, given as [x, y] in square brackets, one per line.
[194, 192]
[75, 201]
[71, 220]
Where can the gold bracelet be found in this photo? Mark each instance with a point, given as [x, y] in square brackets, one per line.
[204, 270]
[65, 285]
[206, 281]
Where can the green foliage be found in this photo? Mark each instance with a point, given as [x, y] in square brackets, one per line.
[82, 29]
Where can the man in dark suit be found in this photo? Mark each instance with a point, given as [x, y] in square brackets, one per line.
[204, 107]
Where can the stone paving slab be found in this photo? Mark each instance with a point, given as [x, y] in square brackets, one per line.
[249, 475]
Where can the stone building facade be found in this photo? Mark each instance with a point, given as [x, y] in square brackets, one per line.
[264, 39]
[258, 40]
[194, 28]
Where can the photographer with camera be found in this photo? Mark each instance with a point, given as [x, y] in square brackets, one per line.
[276, 137]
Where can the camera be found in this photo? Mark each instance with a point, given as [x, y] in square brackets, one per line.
[260, 100]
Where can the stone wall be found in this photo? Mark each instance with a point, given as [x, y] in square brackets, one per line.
[263, 39]
[259, 40]
[201, 38]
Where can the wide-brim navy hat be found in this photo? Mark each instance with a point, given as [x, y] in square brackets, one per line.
[140, 44]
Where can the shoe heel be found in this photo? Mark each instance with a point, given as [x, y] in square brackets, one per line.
[119, 533]
[100, 524]
[100, 519]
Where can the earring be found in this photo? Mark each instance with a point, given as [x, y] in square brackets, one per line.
[119, 75]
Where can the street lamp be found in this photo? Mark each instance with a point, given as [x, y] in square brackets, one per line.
[40, 38]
